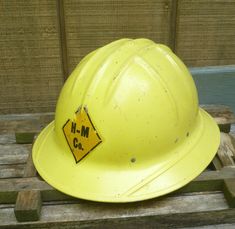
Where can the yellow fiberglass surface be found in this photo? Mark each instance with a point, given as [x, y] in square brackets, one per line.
[127, 126]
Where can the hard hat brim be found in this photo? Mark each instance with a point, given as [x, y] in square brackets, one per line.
[92, 182]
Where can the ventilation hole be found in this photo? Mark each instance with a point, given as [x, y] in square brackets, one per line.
[133, 160]
[187, 134]
[176, 140]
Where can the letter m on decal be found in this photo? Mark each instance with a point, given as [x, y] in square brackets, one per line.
[85, 131]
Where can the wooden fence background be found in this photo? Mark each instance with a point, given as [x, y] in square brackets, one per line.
[42, 41]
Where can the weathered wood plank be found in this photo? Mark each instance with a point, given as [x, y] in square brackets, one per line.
[12, 170]
[14, 153]
[222, 114]
[226, 151]
[30, 170]
[28, 206]
[233, 130]
[24, 122]
[199, 209]
[7, 139]
[229, 191]
[217, 226]
[207, 181]
[24, 137]
[217, 163]
[9, 189]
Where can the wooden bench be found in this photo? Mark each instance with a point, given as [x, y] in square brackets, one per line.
[28, 201]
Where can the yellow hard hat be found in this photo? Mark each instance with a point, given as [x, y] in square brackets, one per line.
[127, 126]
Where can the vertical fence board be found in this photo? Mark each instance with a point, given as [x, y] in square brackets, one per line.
[205, 32]
[63, 41]
[30, 62]
[91, 24]
[173, 24]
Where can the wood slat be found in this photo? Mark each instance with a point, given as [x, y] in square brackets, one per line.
[25, 137]
[14, 154]
[229, 191]
[169, 212]
[24, 122]
[221, 113]
[217, 165]
[207, 181]
[226, 151]
[12, 170]
[30, 170]
[218, 226]
[6, 139]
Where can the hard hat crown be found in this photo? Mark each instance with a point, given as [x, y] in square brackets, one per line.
[140, 97]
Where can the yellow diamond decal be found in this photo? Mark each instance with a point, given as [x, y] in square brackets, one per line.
[81, 134]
